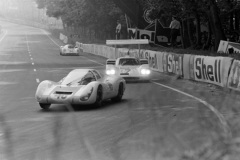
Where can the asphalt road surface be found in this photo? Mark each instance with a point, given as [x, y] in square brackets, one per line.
[162, 119]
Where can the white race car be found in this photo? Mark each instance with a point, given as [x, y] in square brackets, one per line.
[130, 68]
[69, 50]
[80, 87]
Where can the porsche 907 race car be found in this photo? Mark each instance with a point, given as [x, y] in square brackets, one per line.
[130, 68]
[68, 50]
[80, 87]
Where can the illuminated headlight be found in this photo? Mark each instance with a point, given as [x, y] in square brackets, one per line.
[110, 72]
[86, 96]
[145, 71]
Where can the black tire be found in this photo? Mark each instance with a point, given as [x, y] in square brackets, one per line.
[119, 96]
[44, 106]
[99, 100]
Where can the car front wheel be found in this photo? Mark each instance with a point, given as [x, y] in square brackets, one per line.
[98, 102]
[44, 106]
[118, 98]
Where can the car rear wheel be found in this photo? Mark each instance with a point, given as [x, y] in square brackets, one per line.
[98, 102]
[118, 98]
[44, 105]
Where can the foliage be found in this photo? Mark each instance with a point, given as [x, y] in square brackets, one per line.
[97, 15]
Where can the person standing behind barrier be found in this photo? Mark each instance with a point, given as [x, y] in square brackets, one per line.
[175, 26]
[118, 30]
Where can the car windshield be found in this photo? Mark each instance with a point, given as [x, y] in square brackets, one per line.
[128, 61]
[70, 46]
[74, 77]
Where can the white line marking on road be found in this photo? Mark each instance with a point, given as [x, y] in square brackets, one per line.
[34, 70]
[37, 80]
[7, 83]
[27, 44]
[11, 70]
[32, 63]
[31, 58]
[214, 110]
[4, 35]
[28, 120]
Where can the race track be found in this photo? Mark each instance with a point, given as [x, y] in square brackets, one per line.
[156, 120]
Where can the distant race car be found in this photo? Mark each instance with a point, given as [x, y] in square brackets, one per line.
[130, 68]
[80, 87]
[69, 49]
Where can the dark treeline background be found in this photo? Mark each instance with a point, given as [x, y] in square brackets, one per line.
[97, 18]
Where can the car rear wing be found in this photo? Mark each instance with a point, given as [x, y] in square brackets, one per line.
[111, 62]
[127, 41]
[143, 61]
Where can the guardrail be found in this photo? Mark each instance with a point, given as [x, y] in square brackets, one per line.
[221, 71]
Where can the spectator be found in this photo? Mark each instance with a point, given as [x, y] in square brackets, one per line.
[118, 30]
[174, 26]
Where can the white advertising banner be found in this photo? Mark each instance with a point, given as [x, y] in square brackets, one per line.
[233, 49]
[173, 63]
[154, 59]
[208, 69]
[234, 77]
[224, 47]
[212, 69]
[160, 61]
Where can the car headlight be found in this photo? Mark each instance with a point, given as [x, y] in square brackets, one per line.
[86, 96]
[110, 72]
[145, 71]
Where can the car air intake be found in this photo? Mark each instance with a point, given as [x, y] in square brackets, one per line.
[124, 73]
[59, 92]
[111, 62]
[131, 78]
[143, 61]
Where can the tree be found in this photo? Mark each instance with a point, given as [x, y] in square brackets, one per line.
[96, 17]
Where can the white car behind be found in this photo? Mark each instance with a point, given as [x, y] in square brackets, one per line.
[130, 68]
[69, 50]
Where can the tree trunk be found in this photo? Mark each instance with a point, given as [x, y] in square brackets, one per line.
[198, 30]
[209, 35]
[236, 20]
[231, 21]
[217, 26]
[190, 34]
